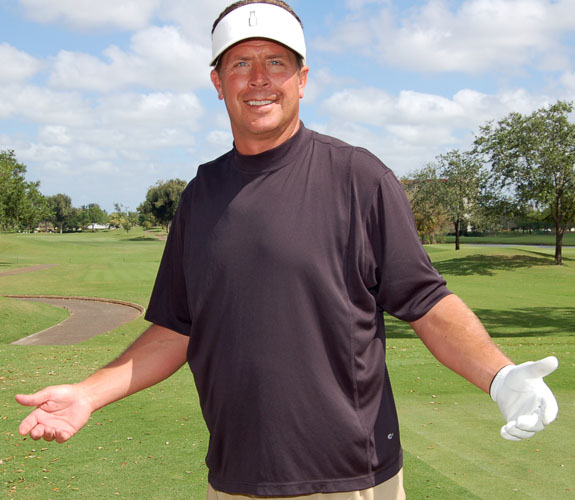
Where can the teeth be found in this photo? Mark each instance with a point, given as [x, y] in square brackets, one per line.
[259, 103]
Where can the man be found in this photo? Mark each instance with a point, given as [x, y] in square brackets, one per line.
[282, 256]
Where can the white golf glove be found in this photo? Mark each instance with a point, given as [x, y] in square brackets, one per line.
[526, 402]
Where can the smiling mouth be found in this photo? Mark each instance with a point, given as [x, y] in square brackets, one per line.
[259, 103]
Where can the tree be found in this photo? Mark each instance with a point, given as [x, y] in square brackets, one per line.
[93, 214]
[457, 188]
[494, 211]
[423, 190]
[33, 208]
[60, 210]
[162, 200]
[22, 205]
[75, 219]
[534, 157]
[122, 217]
[532, 219]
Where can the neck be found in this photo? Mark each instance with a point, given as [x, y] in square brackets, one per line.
[263, 143]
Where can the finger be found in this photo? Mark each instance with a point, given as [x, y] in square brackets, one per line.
[28, 424]
[50, 433]
[35, 399]
[506, 435]
[63, 436]
[531, 423]
[541, 368]
[37, 432]
[512, 430]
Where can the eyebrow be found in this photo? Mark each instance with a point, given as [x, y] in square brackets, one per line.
[240, 57]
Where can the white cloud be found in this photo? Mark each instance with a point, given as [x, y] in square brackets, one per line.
[153, 111]
[84, 141]
[482, 34]
[354, 33]
[474, 37]
[410, 129]
[124, 14]
[159, 58]
[41, 105]
[126, 129]
[374, 106]
[321, 79]
[53, 155]
[55, 134]
[568, 80]
[17, 66]
[194, 19]
[220, 138]
[465, 109]
[367, 105]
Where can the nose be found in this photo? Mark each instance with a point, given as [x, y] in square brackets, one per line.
[259, 76]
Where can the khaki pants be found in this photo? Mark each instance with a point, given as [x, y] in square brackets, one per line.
[392, 489]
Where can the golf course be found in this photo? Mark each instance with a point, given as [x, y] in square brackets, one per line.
[152, 445]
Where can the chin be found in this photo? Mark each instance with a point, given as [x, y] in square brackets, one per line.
[264, 127]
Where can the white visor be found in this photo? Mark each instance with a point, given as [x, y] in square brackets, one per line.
[257, 20]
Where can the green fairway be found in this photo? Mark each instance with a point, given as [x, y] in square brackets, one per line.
[152, 445]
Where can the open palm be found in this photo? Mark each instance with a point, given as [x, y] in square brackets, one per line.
[60, 412]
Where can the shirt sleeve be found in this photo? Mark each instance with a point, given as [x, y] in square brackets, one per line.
[408, 285]
[168, 306]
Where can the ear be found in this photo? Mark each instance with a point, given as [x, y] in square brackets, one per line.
[303, 73]
[216, 80]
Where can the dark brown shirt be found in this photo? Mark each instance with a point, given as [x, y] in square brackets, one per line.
[278, 267]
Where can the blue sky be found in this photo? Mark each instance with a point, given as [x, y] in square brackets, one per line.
[102, 99]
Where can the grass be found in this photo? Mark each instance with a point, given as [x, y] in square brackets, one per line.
[152, 445]
[450, 428]
[20, 319]
[111, 264]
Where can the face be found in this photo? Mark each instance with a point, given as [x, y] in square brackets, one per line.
[261, 84]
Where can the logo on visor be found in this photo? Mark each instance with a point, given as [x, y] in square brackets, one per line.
[253, 18]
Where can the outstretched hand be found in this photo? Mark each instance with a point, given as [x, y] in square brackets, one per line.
[60, 412]
[526, 402]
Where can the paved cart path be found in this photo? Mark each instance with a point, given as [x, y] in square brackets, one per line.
[88, 317]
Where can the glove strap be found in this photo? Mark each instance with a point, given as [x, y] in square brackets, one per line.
[498, 381]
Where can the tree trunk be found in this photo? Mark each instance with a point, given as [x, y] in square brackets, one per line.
[457, 224]
[558, 244]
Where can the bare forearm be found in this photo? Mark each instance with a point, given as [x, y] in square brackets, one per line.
[153, 357]
[456, 337]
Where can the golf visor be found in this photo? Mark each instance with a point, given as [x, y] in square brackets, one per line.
[257, 20]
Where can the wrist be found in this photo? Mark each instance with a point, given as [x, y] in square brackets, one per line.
[498, 381]
[90, 395]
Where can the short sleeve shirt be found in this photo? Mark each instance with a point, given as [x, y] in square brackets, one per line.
[278, 267]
